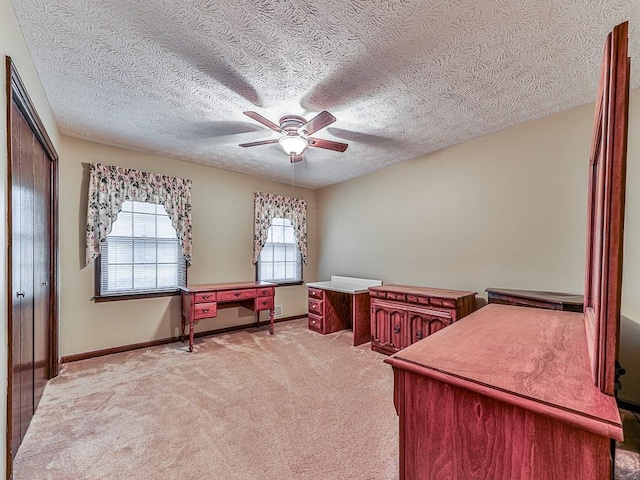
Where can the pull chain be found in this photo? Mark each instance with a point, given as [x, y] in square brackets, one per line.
[293, 177]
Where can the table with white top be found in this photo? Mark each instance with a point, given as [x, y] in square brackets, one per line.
[339, 304]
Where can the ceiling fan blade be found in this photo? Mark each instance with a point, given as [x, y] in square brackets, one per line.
[261, 142]
[267, 123]
[316, 123]
[328, 144]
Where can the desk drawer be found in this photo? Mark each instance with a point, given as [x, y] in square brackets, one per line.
[263, 303]
[315, 323]
[205, 297]
[205, 310]
[315, 306]
[231, 295]
[265, 292]
[315, 293]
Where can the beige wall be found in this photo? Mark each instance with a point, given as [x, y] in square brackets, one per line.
[12, 44]
[506, 210]
[222, 248]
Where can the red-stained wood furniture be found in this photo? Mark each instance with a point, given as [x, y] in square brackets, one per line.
[339, 304]
[515, 392]
[203, 301]
[402, 315]
[568, 302]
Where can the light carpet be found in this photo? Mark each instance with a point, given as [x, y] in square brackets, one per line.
[244, 405]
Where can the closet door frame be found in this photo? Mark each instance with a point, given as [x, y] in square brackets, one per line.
[17, 93]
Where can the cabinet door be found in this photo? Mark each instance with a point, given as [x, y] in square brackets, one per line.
[388, 327]
[400, 331]
[424, 324]
[380, 326]
[419, 323]
[438, 323]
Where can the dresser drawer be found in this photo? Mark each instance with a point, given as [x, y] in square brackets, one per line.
[232, 295]
[263, 303]
[315, 322]
[316, 293]
[423, 300]
[205, 310]
[440, 302]
[315, 306]
[396, 296]
[205, 297]
[377, 294]
[265, 292]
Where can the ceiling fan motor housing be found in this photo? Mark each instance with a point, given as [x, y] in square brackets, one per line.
[291, 123]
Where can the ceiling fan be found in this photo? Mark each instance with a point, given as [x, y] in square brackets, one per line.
[295, 133]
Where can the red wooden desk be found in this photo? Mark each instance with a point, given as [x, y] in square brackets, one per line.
[202, 301]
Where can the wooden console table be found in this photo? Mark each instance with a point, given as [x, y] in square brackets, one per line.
[341, 303]
[202, 301]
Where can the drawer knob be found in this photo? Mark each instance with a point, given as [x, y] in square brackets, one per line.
[419, 335]
[313, 322]
[205, 310]
[397, 329]
[205, 297]
[237, 294]
[264, 302]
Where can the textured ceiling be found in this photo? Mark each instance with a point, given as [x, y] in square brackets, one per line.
[404, 78]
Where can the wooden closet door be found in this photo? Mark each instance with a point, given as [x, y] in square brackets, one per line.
[32, 253]
[22, 236]
[41, 270]
[16, 298]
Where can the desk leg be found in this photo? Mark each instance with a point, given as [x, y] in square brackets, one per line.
[271, 314]
[191, 334]
[360, 314]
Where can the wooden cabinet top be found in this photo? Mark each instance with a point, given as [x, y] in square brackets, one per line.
[536, 359]
[214, 287]
[549, 297]
[425, 291]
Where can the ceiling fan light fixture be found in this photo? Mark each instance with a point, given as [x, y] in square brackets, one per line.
[293, 144]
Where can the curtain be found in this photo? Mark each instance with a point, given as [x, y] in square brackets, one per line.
[268, 206]
[110, 186]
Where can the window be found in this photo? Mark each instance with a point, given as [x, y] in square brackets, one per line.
[142, 253]
[280, 260]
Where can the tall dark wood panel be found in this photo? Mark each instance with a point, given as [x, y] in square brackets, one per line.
[42, 270]
[33, 262]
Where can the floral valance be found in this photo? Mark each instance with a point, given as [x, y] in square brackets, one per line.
[110, 186]
[268, 206]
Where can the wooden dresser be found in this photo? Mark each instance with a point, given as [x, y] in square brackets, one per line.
[402, 315]
[504, 393]
[568, 302]
[203, 301]
[512, 392]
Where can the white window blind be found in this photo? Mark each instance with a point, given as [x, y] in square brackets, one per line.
[142, 253]
[280, 260]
